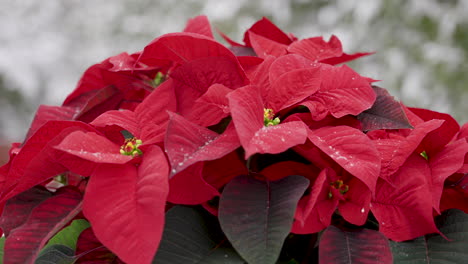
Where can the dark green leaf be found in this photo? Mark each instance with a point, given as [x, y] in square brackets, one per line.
[434, 248]
[257, 215]
[357, 246]
[224, 256]
[56, 254]
[192, 237]
[386, 113]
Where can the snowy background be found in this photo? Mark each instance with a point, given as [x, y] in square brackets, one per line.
[45, 46]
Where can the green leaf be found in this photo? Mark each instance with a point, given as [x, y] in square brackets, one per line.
[2, 246]
[434, 248]
[257, 215]
[69, 235]
[56, 254]
[356, 246]
[192, 237]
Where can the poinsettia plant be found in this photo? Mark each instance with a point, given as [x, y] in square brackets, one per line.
[266, 151]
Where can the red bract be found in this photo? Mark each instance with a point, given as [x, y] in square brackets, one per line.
[342, 91]
[182, 47]
[395, 149]
[122, 71]
[210, 108]
[248, 112]
[442, 162]
[48, 113]
[187, 143]
[463, 133]
[415, 178]
[318, 50]
[264, 47]
[252, 106]
[199, 63]
[265, 39]
[267, 29]
[128, 215]
[282, 169]
[146, 182]
[91, 104]
[221, 171]
[139, 191]
[194, 78]
[36, 160]
[328, 193]
[199, 25]
[455, 194]
[404, 209]
[93, 147]
[189, 187]
[148, 121]
[351, 149]
[187, 146]
[116, 82]
[266, 36]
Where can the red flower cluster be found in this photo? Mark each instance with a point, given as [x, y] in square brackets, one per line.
[176, 122]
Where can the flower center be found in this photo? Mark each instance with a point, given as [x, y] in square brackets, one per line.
[337, 188]
[269, 118]
[130, 147]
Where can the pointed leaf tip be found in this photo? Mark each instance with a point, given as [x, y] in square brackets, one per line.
[385, 113]
[257, 215]
[199, 25]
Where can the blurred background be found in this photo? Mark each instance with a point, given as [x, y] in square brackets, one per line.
[45, 46]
